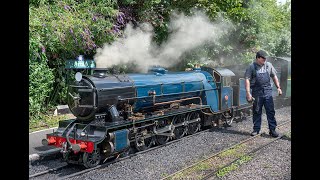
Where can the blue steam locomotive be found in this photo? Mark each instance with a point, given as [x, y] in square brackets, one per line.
[116, 112]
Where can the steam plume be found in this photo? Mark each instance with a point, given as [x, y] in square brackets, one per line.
[136, 46]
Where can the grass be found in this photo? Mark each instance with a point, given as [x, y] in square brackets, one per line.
[195, 172]
[185, 174]
[288, 134]
[202, 166]
[232, 151]
[222, 172]
[46, 121]
[164, 174]
[179, 175]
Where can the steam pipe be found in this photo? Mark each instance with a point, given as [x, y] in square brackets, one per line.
[67, 135]
[168, 102]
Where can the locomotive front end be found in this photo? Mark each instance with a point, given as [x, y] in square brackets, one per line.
[99, 93]
[82, 97]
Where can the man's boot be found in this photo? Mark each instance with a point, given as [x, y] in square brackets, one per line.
[273, 133]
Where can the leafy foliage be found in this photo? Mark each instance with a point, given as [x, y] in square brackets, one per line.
[40, 79]
[61, 30]
[273, 26]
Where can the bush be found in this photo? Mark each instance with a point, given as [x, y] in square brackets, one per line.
[40, 79]
[61, 30]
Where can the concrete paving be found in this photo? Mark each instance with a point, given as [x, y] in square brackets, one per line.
[36, 150]
[35, 145]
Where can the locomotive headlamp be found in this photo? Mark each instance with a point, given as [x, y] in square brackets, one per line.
[80, 57]
[78, 76]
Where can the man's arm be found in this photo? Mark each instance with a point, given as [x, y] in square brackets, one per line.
[273, 75]
[276, 82]
[247, 86]
[248, 76]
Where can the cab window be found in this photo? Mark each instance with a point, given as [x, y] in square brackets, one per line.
[227, 81]
[216, 76]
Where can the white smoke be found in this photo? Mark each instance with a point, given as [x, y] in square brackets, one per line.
[136, 46]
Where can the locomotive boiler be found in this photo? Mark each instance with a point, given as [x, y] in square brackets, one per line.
[118, 96]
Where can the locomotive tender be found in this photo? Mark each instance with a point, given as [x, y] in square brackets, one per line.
[117, 112]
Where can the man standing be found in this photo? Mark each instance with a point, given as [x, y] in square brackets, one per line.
[257, 77]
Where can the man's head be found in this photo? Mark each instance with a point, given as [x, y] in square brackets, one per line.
[261, 57]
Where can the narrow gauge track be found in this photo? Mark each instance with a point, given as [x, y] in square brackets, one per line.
[211, 174]
[48, 171]
[113, 160]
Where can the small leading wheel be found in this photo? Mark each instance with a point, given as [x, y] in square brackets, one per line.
[93, 159]
[143, 142]
[243, 116]
[229, 122]
[228, 117]
[195, 126]
[180, 129]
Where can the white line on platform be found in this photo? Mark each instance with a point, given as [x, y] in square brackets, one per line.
[43, 130]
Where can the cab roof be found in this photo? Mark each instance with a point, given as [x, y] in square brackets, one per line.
[224, 71]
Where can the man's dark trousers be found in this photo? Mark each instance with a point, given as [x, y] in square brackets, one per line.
[267, 102]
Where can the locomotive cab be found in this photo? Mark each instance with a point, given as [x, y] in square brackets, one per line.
[222, 78]
[238, 85]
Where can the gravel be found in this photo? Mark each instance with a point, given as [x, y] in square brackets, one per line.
[272, 162]
[44, 165]
[160, 162]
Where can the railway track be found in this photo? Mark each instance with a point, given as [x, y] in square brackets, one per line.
[118, 159]
[56, 169]
[208, 168]
[214, 173]
[48, 171]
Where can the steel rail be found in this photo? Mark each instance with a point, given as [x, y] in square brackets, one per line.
[216, 154]
[246, 154]
[141, 152]
[132, 155]
[117, 159]
[47, 171]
